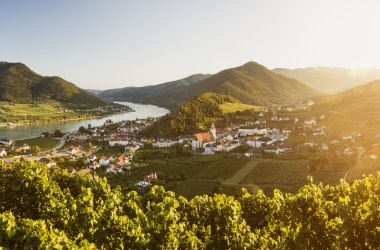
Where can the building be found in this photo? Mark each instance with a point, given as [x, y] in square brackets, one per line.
[163, 144]
[252, 130]
[3, 153]
[200, 140]
[118, 140]
[74, 150]
[6, 142]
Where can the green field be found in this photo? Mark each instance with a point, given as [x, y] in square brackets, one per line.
[31, 113]
[229, 107]
[43, 143]
[22, 113]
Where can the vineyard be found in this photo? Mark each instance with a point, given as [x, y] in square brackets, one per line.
[287, 173]
[277, 172]
[194, 187]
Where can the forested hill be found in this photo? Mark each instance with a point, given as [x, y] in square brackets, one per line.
[19, 84]
[331, 80]
[160, 94]
[353, 111]
[191, 116]
[250, 83]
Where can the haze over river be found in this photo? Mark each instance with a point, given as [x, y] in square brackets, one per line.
[28, 131]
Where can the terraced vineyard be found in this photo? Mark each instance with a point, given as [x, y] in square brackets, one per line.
[223, 169]
[193, 187]
[277, 172]
[327, 177]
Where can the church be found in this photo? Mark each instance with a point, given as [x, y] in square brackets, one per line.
[200, 140]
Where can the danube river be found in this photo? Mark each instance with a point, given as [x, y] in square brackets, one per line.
[28, 131]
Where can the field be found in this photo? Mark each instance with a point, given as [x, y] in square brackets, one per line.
[43, 143]
[234, 107]
[24, 113]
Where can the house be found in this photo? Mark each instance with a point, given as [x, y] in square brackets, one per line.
[94, 165]
[111, 169]
[118, 140]
[74, 150]
[132, 146]
[127, 128]
[3, 153]
[104, 161]
[48, 162]
[254, 152]
[348, 151]
[23, 148]
[324, 147]
[312, 121]
[202, 139]
[252, 130]
[150, 177]
[6, 142]
[232, 145]
[143, 184]
[163, 144]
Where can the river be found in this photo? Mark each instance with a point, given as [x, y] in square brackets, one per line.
[28, 131]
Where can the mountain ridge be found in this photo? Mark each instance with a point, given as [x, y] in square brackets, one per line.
[251, 83]
[19, 84]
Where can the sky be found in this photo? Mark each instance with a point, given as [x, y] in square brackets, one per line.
[103, 44]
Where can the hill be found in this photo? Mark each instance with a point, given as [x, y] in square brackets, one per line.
[250, 83]
[355, 110]
[154, 94]
[19, 84]
[95, 91]
[192, 116]
[330, 80]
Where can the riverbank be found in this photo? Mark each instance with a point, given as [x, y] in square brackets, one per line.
[52, 112]
[22, 131]
[59, 121]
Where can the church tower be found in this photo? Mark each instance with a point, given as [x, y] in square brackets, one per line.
[213, 131]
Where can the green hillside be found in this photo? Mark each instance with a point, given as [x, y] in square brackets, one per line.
[161, 94]
[192, 116]
[352, 111]
[330, 80]
[19, 84]
[251, 83]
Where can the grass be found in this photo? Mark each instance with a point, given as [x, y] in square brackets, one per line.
[43, 143]
[29, 113]
[229, 107]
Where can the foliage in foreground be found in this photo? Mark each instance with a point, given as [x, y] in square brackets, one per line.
[41, 207]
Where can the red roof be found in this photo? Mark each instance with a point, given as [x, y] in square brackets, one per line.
[204, 137]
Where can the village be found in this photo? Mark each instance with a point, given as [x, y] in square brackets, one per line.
[110, 149]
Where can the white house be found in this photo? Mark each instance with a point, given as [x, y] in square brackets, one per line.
[244, 131]
[3, 153]
[6, 142]
[104, 161]
[121, 141]
[163, 144]
[310, 122]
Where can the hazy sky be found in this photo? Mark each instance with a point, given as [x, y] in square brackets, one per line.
[108, 43]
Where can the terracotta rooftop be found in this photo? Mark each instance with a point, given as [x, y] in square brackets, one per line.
[204, 137]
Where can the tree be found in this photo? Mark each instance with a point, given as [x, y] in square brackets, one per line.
[58, 133]
[35, 150]
[90, 146]
[82, 129]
